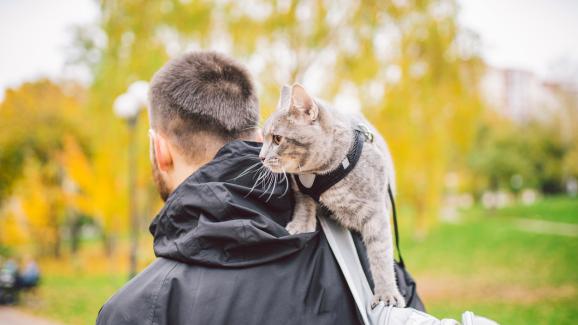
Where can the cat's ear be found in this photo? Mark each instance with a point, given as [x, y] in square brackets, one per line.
[302, 103]
[285, 99]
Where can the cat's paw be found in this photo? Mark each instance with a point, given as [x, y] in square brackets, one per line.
[295, 227]
[392, 298]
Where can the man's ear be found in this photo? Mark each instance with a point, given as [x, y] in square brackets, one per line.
[302, 104]
[162, 152]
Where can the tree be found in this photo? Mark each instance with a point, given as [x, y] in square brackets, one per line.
[403, 60]
[92, 187]
[33, 121]
[512, 156]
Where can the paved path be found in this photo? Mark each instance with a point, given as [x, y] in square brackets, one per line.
[13, 316]
[547, 227]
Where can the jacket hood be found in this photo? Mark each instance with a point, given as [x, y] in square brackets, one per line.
[224, 215]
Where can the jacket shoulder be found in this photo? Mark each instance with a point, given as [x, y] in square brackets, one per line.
[137, 302]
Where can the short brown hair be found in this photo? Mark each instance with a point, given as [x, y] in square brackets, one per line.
[203, 93]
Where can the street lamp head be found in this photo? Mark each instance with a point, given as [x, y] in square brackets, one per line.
[139, 89]
[128, 105]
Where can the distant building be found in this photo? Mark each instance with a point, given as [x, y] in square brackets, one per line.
[520, 95]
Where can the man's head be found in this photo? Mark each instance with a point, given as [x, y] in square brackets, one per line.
[198, 102]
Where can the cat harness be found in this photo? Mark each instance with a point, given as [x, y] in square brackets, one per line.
[315, 185]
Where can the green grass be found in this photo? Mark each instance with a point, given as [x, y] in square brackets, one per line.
[73, 299]
[487, 265]
[484, 264]
[556, 208]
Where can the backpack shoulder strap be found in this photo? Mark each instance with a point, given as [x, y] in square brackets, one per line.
[343, 249]
[395, 228]
[345, 253]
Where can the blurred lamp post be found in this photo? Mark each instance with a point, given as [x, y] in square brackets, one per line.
[127, 106]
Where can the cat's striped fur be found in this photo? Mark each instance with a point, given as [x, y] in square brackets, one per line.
[308, 136]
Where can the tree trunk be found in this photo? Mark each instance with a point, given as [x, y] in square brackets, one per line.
[75, 230]
[109, 244]
[56, 251]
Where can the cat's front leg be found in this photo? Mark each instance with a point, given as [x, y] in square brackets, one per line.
[376, 233]
[303, 213]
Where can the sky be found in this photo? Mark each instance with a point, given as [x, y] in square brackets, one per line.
[34, 35]
[524, 34]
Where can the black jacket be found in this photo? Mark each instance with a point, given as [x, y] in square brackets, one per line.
[224, 257]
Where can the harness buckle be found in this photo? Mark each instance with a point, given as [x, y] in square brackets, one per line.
[369, 136]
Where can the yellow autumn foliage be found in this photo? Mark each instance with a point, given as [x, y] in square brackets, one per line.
[93, 191]
[64, 153]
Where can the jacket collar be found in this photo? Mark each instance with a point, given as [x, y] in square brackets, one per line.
[217, 217]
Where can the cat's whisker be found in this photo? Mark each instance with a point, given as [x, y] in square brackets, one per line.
[274, 184]
[262, 176]
[267, 182]
[286, 182]
[272, 180]
[246, 171]
[259, 176]
[258, 171]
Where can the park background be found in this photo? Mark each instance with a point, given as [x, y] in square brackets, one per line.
[485, 146]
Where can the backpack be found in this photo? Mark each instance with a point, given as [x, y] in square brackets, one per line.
[346, 254]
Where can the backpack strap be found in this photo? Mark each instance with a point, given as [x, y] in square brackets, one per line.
[395, 228]
[343, 249]
[345, 252]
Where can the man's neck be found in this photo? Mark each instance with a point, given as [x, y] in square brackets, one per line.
[183, 168]
[182, 174]
[211, 145]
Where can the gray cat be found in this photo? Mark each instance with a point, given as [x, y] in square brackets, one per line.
[307, 137]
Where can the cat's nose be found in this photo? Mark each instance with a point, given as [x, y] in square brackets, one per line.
[262, 158]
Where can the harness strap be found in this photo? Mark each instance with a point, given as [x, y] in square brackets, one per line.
[318, 184]
[322, 183]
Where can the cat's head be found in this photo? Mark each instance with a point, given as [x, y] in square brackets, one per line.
[293, 133]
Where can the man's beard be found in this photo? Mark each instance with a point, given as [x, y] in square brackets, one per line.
[162, 187]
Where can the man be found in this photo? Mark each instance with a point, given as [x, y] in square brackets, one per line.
[223, 254]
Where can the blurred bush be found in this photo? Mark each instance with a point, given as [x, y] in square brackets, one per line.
[519, 156]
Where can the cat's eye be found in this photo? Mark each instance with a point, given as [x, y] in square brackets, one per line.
[277, 139]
